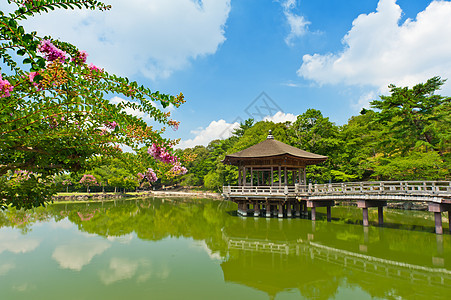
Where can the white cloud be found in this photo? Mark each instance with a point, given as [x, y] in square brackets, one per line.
[281, 117]
[364, 101]
[215, 130]
[153, 38]
[13, 241]
[77, 254]
[379, 51]
[298, 24]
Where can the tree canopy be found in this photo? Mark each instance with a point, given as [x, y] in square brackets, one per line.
[55, 112]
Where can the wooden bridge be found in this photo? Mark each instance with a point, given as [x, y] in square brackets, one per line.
[294, 201]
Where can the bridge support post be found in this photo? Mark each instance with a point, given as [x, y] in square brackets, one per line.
[329, 214]
[380, 214]
[320, 203]
[437, 209]
[268, 210]
[365, 204]
[313, 213]
[365, 217]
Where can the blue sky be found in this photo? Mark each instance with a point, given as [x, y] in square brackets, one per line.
[331, 55]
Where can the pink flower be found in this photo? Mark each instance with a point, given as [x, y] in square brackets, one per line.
[160, 154]
[5, 87]
[80, 58]
[150, 175]
[177, 169]
[95, 68]
[51, 52]
[111, 125]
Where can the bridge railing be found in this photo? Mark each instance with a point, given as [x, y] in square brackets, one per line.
[368, 187]
[378, 187]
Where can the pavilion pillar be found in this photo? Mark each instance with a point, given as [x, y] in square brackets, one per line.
[297, 208]
[239, 176]
[252, 176]
[285, 176]
[280, 215]
[272, 175]
[280, 179]
[299, 174]
[288, 209]
[304, 208]
[305, 176]
[293, 177]
[244, 176]
[268, 210]
[256, 209]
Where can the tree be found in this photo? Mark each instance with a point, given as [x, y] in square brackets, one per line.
[415, 117]
[88, 180]
[54, 113]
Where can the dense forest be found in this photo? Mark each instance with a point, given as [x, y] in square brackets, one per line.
[405, 136]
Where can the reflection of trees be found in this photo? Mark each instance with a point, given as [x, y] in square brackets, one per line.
[153, 219]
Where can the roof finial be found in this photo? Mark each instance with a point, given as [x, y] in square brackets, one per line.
[270, 136]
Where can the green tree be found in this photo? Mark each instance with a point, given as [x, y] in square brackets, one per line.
[415, 117]
[55, 113]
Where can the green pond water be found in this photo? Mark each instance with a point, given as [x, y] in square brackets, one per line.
[200, 249]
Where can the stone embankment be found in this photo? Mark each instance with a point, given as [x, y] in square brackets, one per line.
[160, 194]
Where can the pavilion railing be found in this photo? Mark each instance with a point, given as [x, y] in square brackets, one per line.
[441, 188]
[259, 190]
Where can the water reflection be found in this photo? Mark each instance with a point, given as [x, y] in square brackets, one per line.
[272, 256]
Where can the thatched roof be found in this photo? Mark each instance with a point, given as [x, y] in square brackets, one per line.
[271, 148]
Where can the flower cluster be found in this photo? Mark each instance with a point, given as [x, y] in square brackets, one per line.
[66, 182]
[160, 153]
[95, 68]
[178, 169]
[111, 125]
[80, 58]
[21, 175]
[88, 179]
[149, 175]
[5, 87]
[31, 77]
[50, 51]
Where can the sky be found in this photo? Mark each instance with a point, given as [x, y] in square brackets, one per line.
[262, 59]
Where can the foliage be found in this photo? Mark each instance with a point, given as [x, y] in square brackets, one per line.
[55, 114]
[412, 117]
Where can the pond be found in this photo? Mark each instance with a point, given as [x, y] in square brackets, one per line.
[199, 249]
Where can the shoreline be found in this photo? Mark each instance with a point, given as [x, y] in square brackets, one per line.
[83, 197]
[108, 196]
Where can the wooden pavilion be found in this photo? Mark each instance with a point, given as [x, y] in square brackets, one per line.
[268, 173]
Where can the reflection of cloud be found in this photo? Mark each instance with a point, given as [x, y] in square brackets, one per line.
[120, 269]
[78, 254]
[213, 256]
[62, 224]
[16, 243]
[5, 268]
[123, 239]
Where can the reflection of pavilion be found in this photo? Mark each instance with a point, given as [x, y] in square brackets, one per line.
[276, 266]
